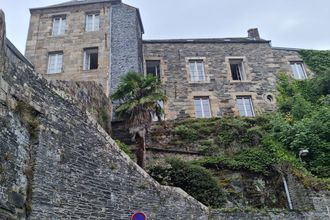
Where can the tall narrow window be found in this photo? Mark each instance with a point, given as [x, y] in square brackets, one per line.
[298, 70]
[196, 69]
[153, 67]
[90, 58]
[55, 62]
[59, 25]
[202, 107]
[237, 69]
[244, 105]
[92, 22]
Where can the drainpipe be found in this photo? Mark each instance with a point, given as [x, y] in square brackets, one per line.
[287, 193]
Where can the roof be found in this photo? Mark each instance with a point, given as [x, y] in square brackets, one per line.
[210, 40]
[74, 3]
[10, 46]
[286, 48]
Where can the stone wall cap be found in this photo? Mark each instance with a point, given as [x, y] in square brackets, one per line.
[210, 40]
[75, 3]
[287, 48]
[10, 46]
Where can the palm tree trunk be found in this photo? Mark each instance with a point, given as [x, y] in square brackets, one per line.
[140, 151]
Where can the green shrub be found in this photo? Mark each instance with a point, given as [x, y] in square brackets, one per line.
[186, 133]
[125, 148]
[195, 180]
[257, 160]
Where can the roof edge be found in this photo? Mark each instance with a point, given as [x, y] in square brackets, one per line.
[17, 53]
[60, 5]
[208, 40]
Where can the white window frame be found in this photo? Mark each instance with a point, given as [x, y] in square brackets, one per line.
[241, 70]
[87, 57]
[95, 22]
[247, 103]
[195, 74]
[296, 66]
[55, 63]
[59, 26]
[199, 101]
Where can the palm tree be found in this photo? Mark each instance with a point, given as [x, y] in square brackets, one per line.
[139, 98]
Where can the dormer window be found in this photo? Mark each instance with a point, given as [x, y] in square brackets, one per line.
[298, 70]
[59, 25]
[92, 22]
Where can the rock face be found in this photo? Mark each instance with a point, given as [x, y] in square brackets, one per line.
[57, 162]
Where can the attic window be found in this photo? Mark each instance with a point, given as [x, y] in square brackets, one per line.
[237, 69]
[298, 70]
[90, 58]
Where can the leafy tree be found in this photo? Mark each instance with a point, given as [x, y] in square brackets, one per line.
[139, 98]
[304, 119]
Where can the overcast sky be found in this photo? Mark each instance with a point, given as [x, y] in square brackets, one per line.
[288, 23]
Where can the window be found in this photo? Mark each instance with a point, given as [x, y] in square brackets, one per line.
[298, 70]
[55, 62]
[244, 105]
[92, 22]
[202, 107]
[59, 25]
[196, 69]
[237, 69]
[153, 67]
[90, 58]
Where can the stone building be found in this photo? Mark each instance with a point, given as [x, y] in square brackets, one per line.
[99, 40]
[90, 40]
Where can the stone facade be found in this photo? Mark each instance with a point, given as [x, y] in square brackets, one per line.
[261, 64]
[117, 40]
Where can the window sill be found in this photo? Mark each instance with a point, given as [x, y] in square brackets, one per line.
[58, 36]
[240, 81]
[51, 74]
[199, 82]
[89, 71]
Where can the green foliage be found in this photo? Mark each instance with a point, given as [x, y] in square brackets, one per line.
[138, 96]
[303, 121]
[195, 180]
[257, 160]
[186, 133]
[215, 135]
[318, 61]
[125, 148]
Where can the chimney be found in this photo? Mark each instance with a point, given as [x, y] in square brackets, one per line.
[253, 33]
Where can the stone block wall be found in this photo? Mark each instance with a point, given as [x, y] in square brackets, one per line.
[89, 96]
[125, 42]
[40, 42]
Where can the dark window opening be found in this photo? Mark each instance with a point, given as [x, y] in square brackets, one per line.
[91, 59]
[237, 70]
[153, 67]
